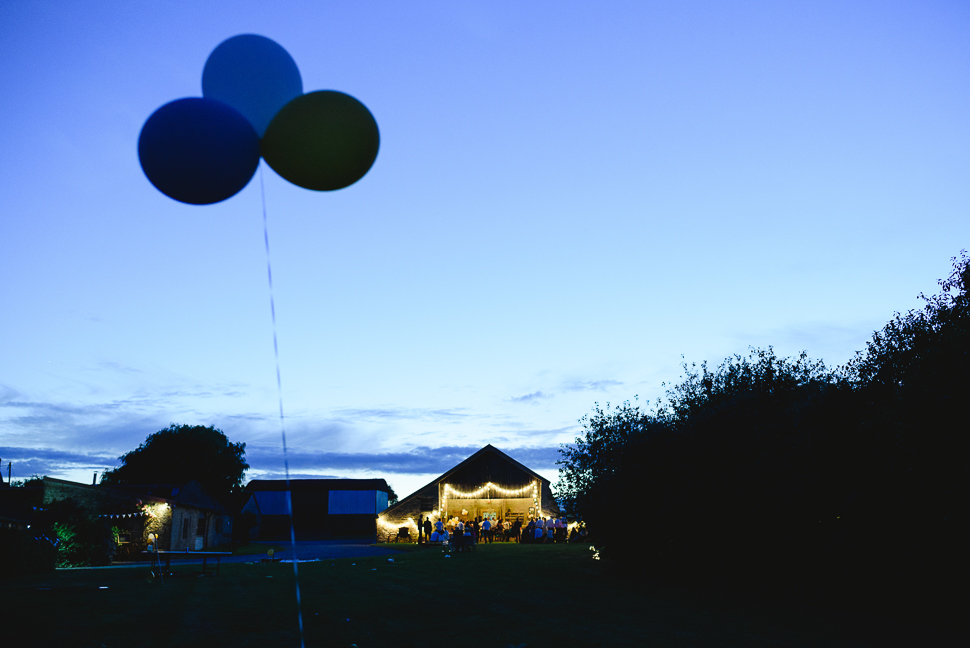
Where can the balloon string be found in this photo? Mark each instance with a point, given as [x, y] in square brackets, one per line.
[279, 391]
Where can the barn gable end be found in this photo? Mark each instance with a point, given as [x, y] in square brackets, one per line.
[488, 483]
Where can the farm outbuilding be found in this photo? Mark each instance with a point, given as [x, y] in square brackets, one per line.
[487, 484]
[321, 507]
[184, 518]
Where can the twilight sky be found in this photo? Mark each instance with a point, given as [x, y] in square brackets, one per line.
[569, 196]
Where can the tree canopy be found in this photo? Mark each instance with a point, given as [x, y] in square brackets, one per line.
[780, 471]
[182, 453]
[33, 480]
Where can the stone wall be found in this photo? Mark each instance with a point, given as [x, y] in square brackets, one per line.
[184, 529]
[406, 513]
[93, 498]
[184, 525]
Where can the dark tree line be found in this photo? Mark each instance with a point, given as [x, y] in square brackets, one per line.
[780, 474]
[64, 533]
[182, 453]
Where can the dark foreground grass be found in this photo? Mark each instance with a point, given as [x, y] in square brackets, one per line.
[258, 550]
[497, 596]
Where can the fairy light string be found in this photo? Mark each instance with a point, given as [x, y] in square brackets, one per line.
[450, 492]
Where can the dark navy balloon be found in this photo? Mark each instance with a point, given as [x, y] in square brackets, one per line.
[198, 151]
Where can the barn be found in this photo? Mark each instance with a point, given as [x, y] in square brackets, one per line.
[321, 507]
[487, 484]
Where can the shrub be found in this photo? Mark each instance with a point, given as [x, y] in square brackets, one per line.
[22, 553]
[80, 537]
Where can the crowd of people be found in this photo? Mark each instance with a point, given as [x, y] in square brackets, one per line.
[461, 534]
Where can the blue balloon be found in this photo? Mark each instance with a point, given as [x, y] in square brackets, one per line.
[254, 75]
[198, 151]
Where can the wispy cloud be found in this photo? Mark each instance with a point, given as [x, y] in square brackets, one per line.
[534, 397]
[251, 417]
[52, 462]
[53, 455]
[282, 475]
[400, 413]
[591, 385]
[834, 343]
[266, 461]
[60, 438]
[7, 393]
[116, 425]
[422, 460]
[536, 457]
[116, 366]
[532, 438]
[109, 425]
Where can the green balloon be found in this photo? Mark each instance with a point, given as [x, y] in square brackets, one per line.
[324, 140]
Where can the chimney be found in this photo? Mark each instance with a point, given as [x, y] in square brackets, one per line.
[94, 480]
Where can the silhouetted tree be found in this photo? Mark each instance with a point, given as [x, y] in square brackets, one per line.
[718, 459]
[781, 473]
[33, 480]
[911, 385]
[181, 453]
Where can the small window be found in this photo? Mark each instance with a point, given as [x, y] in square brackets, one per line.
[200, 527]
[185, 528]
[219, 525]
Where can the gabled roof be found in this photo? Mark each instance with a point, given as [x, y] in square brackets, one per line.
[487, 449]
[191, 494]
[237, 501]
[194, 495]
[317, 485]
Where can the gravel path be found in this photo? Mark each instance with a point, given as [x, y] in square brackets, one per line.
[317, 550]
[305, 550]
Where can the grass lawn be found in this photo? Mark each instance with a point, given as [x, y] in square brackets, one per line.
[258, 549]
[499, 595]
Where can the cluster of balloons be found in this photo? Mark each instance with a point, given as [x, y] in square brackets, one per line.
[202, 150]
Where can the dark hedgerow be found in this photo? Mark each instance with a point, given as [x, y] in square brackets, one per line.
[22, 553]
[80, 537]
[780, 474]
